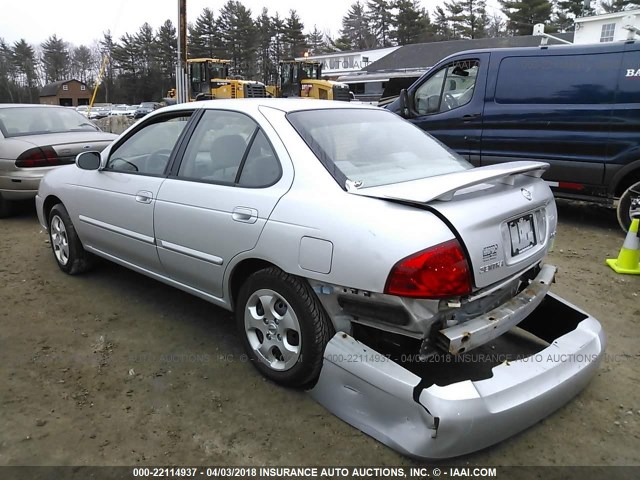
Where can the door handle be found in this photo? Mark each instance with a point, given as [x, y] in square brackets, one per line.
[245, 214]
[470, 116]
[144, 196]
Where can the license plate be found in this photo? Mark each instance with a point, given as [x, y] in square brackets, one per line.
[523, 235]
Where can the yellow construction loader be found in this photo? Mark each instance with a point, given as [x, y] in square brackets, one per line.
[209, 79]
[304, 79]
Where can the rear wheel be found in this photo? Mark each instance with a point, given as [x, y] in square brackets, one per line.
[67, 249]
[624, 205]
[283, 327]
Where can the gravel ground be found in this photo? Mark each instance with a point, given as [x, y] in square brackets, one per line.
[112, 368]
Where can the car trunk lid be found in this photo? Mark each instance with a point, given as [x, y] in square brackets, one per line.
[67, 146]
[502, 214]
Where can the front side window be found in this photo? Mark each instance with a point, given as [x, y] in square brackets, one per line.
[373, 147]
[607, 32]
[147, 151]
[449, 88]
[229, 148]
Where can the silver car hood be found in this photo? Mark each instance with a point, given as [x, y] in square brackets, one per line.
[489, 209]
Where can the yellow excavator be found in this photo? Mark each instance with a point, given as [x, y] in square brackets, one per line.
[303, 78]
[209, 79]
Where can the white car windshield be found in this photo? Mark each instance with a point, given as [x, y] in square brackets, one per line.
[20, 121]
[373, 147]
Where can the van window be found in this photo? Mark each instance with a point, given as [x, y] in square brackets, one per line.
[558, 79]
[449, 88]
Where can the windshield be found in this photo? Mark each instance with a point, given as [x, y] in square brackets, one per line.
[373, 147]
[19, 121]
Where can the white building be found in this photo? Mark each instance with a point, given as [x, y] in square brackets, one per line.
[605, 28]
[341, 63]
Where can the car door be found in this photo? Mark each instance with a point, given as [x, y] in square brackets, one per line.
[449, 103]
[216, 201]
[115, 204]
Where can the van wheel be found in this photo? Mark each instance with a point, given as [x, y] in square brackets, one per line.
[624, 205]
[67, 249]
[283, 327]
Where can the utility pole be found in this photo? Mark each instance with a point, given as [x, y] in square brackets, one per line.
[182, 84]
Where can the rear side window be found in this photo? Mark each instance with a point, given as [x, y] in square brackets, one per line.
[558, 79]
[229, 148]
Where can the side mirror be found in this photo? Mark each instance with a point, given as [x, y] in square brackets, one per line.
[404, 104]
[88, 160]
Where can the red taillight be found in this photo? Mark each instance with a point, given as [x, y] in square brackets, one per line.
[38, 157]
[437, 272]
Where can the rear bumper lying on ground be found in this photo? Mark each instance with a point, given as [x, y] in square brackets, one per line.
[424, 420]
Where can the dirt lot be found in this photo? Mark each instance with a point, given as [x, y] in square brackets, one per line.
[112, 368]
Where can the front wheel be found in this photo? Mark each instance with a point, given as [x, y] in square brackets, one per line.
[67, 249]
[624, 205]
[283, 327]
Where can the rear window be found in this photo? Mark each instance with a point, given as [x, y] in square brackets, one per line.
[20, 121]
[373, 147]
[558, 79]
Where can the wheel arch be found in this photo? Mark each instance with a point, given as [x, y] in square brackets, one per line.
[626, 177]
[48, 204]
[241, 271]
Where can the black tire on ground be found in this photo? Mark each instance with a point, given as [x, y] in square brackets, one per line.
[67, 248]
[624, 205]
[6, 207]
[315, 326]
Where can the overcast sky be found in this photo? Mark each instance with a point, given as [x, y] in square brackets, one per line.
[83, 21]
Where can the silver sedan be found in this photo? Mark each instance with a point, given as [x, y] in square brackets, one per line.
[36, 138]
[354, 249]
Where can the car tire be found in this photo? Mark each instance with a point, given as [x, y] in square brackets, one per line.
[624, 205]
[6, 207]
[284, 339]
[67, 249]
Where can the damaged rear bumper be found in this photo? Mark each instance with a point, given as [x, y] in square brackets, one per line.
[387, 401]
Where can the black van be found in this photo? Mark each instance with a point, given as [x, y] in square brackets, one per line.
[576, 107]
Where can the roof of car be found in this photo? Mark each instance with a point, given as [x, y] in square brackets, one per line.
[284, 104]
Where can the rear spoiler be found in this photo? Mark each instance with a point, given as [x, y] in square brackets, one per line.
[444, 187]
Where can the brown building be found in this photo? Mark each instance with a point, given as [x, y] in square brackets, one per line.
[68, 93]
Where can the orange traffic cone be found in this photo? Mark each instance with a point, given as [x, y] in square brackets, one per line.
[628, 260]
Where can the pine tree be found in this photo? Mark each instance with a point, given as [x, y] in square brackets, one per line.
[474, 18]
[239, 37]
[412, 22]
[268, 72]
[55, 59]
[166, 53]
[107, 46]
[82, 62]
[7, 84]
[382, 21]
[294, 37]
[441, 24]
[24, 61]
[356, 33]
[522, 15]
[204, 37]
[319, 42]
